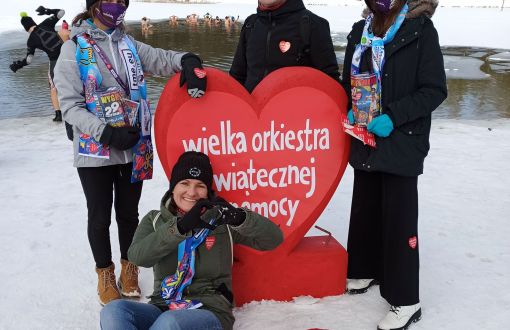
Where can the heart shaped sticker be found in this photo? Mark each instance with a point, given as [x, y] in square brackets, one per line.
[200, 73]
[284, 46]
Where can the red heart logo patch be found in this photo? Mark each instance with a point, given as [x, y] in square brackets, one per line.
[200, 73]
[209, 242]
[280, 151]
[284, 46]
[413, 241]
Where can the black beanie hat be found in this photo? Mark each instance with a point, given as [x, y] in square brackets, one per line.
[27, 21]
[91, 2]
[192, 165]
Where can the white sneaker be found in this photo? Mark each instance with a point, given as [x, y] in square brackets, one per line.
[357, 286]
[400, 317]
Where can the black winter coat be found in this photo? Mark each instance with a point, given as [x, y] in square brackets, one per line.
[413, 85]
[258, 52]
[45, 38]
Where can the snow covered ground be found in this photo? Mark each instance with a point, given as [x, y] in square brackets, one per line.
[459, 22]
[47, 277]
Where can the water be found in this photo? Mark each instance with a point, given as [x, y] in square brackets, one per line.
[477, 84]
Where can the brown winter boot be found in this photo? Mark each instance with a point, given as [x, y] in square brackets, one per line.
[106, 288]
[128, 280]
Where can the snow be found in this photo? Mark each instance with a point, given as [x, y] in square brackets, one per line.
[47, 277]
[459, 22]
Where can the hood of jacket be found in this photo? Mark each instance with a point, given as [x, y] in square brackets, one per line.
[166, 209]
[96, 33]
[290, 6]
[416, 8]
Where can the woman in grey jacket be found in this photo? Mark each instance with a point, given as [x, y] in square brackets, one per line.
[98, 70]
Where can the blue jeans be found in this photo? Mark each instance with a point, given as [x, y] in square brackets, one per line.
[127, 315]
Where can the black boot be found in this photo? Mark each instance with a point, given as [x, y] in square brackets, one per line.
[58, 116]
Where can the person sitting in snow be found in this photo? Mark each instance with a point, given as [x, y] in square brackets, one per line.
[193, 232]
[399, 37]
[113, 160]
[282, 33]
[44, 37]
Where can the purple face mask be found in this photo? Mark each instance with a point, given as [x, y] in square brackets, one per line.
[383, 6]
[111, 14]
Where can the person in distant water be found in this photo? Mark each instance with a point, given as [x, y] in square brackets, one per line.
[112, 159]
[398, 44]
[227, 21]
[174, 20]
[145, 23]
[207, 18]
[45, 38]
[282, 33]
[192, 19]
[193, 221]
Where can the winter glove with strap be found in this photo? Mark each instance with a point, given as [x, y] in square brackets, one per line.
[381, 126]
[231, 215]
[121, 138]
[45, 11]
[192, 219]
[194, 75]
[16, 65]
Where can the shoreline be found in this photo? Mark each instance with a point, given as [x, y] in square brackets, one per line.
[458, 25]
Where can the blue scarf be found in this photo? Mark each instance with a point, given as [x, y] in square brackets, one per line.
[92, 80]
[368, 39]
[173, 286]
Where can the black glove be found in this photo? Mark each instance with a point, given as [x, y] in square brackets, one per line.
[231, 215]
[121, 138]
[45, 11]
[41, 10]
[194, 75]
[16, 65]
[192, 219]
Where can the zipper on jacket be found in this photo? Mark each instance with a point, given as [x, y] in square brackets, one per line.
[268, 39]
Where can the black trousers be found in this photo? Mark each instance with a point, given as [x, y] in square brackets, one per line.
[100, 184]
[383, 235]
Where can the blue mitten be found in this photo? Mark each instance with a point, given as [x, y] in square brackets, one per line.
[350, 117]
[381, 126]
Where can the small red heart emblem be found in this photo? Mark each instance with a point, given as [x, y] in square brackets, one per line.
[200, 73]
[284, 46]
[413, 241]
[209, 242]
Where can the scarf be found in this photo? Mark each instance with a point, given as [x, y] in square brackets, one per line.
[172, 286]
[368, 39]
[137, 91]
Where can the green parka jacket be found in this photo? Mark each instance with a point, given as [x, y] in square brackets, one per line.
[155, 245]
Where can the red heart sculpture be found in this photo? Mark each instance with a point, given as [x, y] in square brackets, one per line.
[281, 152]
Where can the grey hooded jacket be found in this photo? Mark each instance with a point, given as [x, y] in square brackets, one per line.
[70, 87]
